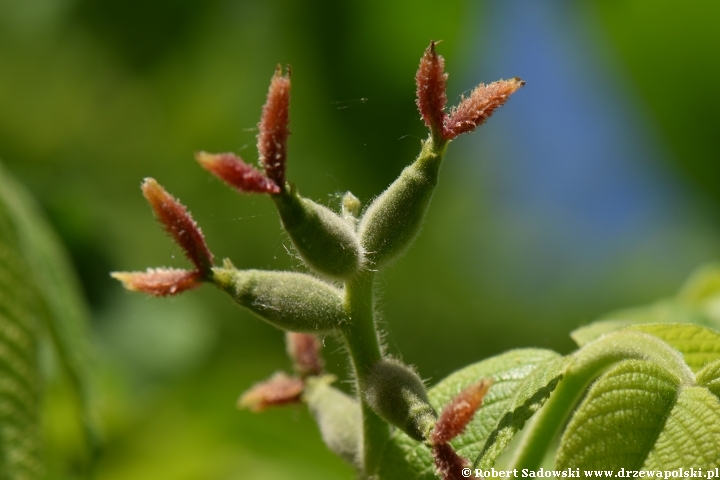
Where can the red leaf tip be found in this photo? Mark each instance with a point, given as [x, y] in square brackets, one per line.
[231, 169]
[431, 84]
[458, 413]
[304, 350]
[280, 389]
[179, 224]
[160, 282]
[449, 464]
[273, 127]
[475, 109]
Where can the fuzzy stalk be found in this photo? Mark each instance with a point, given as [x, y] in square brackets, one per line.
[362, 341]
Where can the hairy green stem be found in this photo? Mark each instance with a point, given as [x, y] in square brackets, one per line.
[548, 422]
[364, 346]
[399, 211]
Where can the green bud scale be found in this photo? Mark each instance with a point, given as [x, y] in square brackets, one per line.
[288, 300]
[397, 395]
[338, 416]
[324, 240]
[393, 220]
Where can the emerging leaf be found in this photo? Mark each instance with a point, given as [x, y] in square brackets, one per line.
[457, 414]
[304, 350]
[273, 128]
[179, 224]
[160, 282]
[232, 170]
[474, 110]
[448, 463]
[280, 389]
[430, 94]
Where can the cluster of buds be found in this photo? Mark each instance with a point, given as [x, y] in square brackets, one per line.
[340, 248]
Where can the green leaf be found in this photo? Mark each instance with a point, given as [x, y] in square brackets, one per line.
[699, 345]
[691, 435]
[589, 363]
[667, 311]
[523, 381]
[38, 292]
[617, 424]
[530, 395]
[20, 435]
[709, 377]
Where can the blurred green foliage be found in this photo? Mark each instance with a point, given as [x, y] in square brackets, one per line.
[97, 95]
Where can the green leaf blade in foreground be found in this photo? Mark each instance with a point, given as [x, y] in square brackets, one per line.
[698, 345]
[709, 377]
[618, 421]
[691, 434]
[530, 395]
[667, 311]
[63, 308]
[523, 380]
[38, 293]
[20, 436]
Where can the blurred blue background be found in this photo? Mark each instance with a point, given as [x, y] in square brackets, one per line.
[594, 188]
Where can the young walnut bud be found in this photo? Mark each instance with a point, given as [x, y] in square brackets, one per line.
[393, 220]
[397, 395]
[324, 240]
[287, 300]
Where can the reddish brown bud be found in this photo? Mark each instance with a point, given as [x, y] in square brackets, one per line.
[475, 109]
[159, 282]
[430, 80]
[273, 128]
[304, 350]
[179, 224]
[230, 168]
[280, 389]
[458, 413]
[448, 463]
